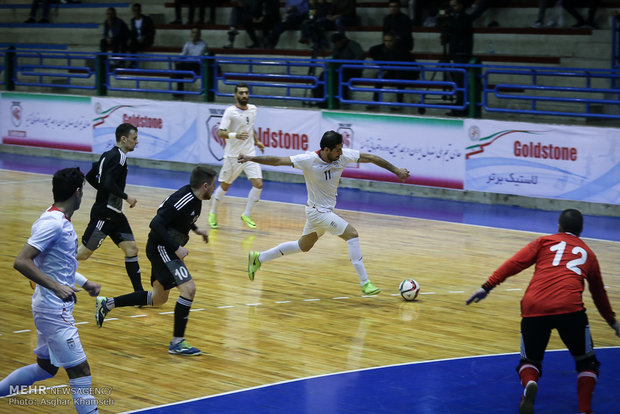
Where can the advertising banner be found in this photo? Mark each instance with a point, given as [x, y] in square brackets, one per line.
[431, 149]
[47, 121]
[284, 132]
[552, 161]
[166, 130]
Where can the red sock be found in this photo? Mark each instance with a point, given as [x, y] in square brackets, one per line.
[586, 381]
[527, 373]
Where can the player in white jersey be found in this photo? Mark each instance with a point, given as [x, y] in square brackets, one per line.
[322, 171]
[237, 128]
[49, 259]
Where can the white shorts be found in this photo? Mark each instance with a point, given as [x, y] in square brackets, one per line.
[321, 221]
[58, 339]
[231, 169]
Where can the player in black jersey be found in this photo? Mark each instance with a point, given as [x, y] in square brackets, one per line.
[165, 249]
[108, 176]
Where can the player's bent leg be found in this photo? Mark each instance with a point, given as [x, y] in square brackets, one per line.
[80, 381]
[179, 345]
[307, 241]
[588, 370]
[132, 266]
[83, 252]
[160, 294]
[26, 376]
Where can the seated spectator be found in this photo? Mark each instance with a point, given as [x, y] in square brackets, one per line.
[115, 33]
[344, 49]
[296, 13]
[340, 15]
[194, 47]
[45, 4]
[313, 27]
[391, 51]
[142, 32]
[399, 24]
[243, 13]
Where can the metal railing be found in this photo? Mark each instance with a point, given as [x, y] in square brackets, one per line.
[470, 89]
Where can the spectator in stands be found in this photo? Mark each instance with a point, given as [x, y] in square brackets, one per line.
[313, 27]
[296, 13]
[398, 24]
[459, 37]
[417, 9]
[194, 47]
[45, 4]
[344, 49]
[178, 4]
[341, 14]
[391, 51]
[479, 7]
[542, 8]
[142, 32]
[243, 13]
[115, 33]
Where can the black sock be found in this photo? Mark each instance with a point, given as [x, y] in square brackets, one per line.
[133, 271]
[181, 314]
[132, 299]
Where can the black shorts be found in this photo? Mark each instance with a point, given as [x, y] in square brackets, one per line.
[103, 223]
[573, 328]
[166, 267]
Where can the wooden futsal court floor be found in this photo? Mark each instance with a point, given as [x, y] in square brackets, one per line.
[304, 315]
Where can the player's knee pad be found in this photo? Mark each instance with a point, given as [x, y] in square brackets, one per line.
[589, 363]
[525, 361]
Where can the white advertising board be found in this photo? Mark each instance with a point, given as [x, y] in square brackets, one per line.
[431, 149]
[551, 161]
[166, 130]
[48, 121]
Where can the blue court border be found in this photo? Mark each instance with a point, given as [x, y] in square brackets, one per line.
[467, 385]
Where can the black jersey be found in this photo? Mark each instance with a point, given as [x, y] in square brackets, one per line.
[108, 176]
[175, 217]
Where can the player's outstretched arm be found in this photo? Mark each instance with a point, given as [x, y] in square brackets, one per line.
[265, 159]
[402, 173]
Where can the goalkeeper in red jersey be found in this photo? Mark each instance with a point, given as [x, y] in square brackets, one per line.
[553, 300]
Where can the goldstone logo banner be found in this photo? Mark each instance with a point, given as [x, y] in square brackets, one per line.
[553, 161]
[167, 131]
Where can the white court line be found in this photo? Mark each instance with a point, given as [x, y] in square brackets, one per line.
[341, 297]
[456, 291]
[511, 289]
[137, 316]
[22, 331]
[311, 300]
[166, 313]
[253, 304]
[225, 307]
[428, 293]
[283, 301]
[196, 310]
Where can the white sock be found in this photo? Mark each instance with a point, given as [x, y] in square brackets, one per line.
[84, 402]
[218, 196]
[253, 198]
[27, 375]
[355, 254]
[280, 250]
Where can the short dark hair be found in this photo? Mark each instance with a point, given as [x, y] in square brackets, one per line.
[571, 221]
[136, 6]
[65, 182]
[241, 85]
[331, 139]
[123, 130]
[201, 174]
[112, 9]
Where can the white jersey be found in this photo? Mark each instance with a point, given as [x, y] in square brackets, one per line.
[239, 120]
[54, 236]
[322, 178]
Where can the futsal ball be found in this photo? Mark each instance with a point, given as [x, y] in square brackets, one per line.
[409, 289]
